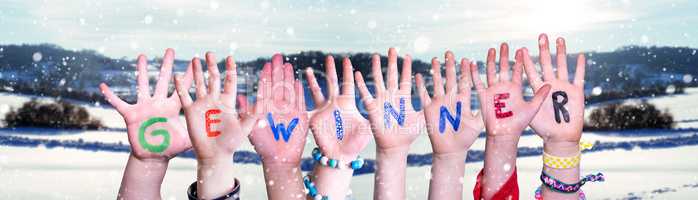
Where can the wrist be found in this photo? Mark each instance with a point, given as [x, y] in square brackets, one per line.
[393, 151]
[503, 139]
[215, 161]
[150, 162]
[136, 184]
[561, 149]
[460, 155]
[280, 165]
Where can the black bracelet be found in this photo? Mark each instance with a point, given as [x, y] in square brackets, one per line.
[234, 195]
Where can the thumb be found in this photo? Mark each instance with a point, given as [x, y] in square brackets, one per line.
[539, 98]
[247, 123]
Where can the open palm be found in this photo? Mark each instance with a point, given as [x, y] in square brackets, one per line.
[212, 120]
[565, 125]
[501, 103]
[154, 128]
[280, 134]
[338, 127]
[394, 121]
[456, 99]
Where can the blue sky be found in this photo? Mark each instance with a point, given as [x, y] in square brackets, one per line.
[424, 29]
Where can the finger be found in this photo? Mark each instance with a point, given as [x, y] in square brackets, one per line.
[289, 79]
[363, 90]
[114, 100]
[331, 74]
[243, 104]
[450, 72]
[142, 77]
[392, 69]
[579, 73]
[561, 54]
[165, 76]
[348, 77]
[539, 97]
[300, 94]
[406, 75]
[422, 90]
[185, 85]
[436, 76]
[377, 73]
[277, 78]
[182, 86]
[214, 76]
[258, 109]
[475, 75]
[504, 62]
[464, 82]
[249, 118]
[315, 90]
[531, 72]
[491, 68]
[264, 86]
[230, 85]
[199, 78]
[545, 60]
[248, 122]
[518, 67]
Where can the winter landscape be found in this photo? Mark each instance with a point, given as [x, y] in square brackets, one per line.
[60, 138]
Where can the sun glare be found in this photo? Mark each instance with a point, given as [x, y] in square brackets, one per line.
[556, 16]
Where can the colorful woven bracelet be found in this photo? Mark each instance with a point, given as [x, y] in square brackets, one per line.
[539, 195]
[312, 190]
[566, 162]
[559, 186]
[561, 162]
[334, 163]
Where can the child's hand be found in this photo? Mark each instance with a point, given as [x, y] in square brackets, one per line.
[394, 122]
[153, 124]
[338, 128]
[504, 109]
[451, 125]
[215, 129]
[561, 117]
[213, 123]
[279, 136]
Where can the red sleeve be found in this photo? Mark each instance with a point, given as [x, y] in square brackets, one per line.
[509, 191]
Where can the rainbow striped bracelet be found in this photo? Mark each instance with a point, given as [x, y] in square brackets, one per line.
[335, 163]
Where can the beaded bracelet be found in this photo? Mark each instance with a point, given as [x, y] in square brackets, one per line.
[335, 163]
[559, 186]
[539, 195]
[312, 190]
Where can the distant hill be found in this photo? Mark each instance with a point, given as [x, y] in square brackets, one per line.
[50, 70]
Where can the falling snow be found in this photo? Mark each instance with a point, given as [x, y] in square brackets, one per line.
[148, 19]
[596, 91]
[372, 24]
[36, 57]
[422, 44]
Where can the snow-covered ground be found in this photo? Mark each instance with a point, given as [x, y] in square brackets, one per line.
[28, 173]
[74, 174]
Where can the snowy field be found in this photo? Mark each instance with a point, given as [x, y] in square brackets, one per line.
[59, 173]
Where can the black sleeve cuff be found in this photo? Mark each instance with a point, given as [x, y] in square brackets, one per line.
[234, 195]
